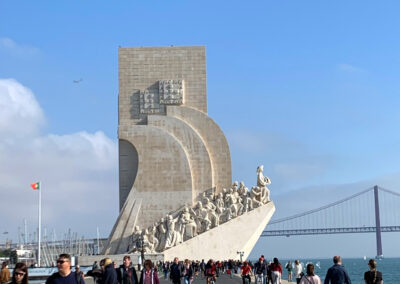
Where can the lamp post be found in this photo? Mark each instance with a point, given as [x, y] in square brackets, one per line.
[140, 243]
[240, 253]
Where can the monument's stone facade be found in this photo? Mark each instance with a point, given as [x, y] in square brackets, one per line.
[170, 150]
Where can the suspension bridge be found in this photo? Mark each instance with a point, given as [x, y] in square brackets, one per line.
[358, 213]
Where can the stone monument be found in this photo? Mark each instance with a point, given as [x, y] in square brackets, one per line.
[174, 161]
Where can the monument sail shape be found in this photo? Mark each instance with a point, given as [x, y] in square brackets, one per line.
[174, 160]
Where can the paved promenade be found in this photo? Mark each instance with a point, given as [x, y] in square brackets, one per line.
[223, 279]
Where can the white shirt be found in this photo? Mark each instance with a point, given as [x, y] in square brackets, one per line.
[298, 268]
[310, 279]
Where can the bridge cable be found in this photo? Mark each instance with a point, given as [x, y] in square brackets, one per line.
[321, 208]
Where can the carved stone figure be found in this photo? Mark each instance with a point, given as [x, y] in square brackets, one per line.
[256, 196]
[219, 205]
[134, 240]
[153, 241]
[161, 234]
[243, 190]
[203, 222]
[212, 216]
[171, 233]
[189, 225]
[261, 179]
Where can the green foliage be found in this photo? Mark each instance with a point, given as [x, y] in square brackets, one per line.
[12, 254]
[5, 252]
[13, 257]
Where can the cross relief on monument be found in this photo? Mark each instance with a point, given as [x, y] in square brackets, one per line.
[169, 92]
[150, 102]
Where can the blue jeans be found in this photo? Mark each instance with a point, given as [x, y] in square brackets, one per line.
[187, 279]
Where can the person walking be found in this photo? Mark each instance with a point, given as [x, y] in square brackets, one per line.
[337, 274]
[260, 270]
[126, 273]
[149, 274]
[79, 273]
[246, 272]
[176, 272]
[210, 271]
[20, 274]
[276, 271]
[202, 268]
[109, 272]
[310, 277]
[289, 269]
[373, 276]
[298, 270]
[187, 272]
[5, 273]
[165, 268]
[64, 274]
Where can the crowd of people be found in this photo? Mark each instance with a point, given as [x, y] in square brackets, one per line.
[263, 272]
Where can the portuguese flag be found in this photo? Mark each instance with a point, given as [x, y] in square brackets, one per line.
[35, 185]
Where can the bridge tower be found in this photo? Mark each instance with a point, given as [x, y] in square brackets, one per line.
[378, 224]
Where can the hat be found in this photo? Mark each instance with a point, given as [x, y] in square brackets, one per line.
[107, 261]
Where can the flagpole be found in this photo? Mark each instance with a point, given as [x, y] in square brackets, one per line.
[40, 220]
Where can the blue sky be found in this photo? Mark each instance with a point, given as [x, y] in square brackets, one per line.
[310, 89]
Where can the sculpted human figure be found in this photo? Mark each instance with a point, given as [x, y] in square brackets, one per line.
[203, 222]
[235, 191]
[212, 216]
[235, 185]
[152, 239]
[256, 196]
[262, 182]
[219, 205]
[171, 233]
[243, 190]
[188, 224]
[229, 198]
[247, 202]
[147, 245]
[226, 215]
[161, 234]
[265, 195]
[134, 239]
[261, 179]
[179, 230]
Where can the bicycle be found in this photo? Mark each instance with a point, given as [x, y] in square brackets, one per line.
[210, 279]
[259, 279]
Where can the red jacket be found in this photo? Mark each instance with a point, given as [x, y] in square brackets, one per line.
[276, 267]
[245, 269]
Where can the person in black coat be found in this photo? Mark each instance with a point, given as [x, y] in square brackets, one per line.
[126, 273]
[176, 272]
[109, 273]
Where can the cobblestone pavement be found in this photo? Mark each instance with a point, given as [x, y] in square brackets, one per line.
[223, 279]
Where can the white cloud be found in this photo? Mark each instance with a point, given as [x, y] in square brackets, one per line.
[20, 115]
[9, 45]
[349, 68]
[78, 171]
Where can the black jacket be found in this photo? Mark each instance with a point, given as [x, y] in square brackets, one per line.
[123, 275]
[110, 275]
[176, 271]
